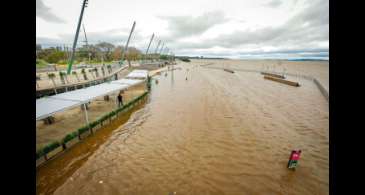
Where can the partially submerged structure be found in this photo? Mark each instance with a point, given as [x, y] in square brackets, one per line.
[56, 138]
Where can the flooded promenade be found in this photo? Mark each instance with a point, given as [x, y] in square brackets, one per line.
[205, 131]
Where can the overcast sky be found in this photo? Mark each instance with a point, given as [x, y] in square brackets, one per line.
[212, 28]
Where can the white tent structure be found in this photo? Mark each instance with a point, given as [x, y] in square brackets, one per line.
[48, 106]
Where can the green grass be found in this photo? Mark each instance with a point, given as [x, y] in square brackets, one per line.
[41, 63]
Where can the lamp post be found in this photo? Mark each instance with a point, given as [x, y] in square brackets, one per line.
[84, 4]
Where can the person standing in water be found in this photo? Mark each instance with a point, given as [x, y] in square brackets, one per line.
[120, 99]
[294, 158]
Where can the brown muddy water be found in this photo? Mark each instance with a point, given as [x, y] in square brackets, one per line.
[214, 133]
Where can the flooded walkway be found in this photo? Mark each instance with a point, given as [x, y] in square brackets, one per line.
[214, 133]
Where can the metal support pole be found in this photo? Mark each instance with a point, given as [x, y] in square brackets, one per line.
[163, 44]
[159, 42]
[87, 45]
[129, 37]
[153, 35]
[76, 37]
[159, 55]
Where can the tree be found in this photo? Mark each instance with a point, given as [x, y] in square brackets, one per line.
[106, 49]
[51, 55]
[38, 48]
[132, 55]
[117, 53]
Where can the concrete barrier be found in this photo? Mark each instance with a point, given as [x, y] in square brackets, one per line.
[54, 152]
[85, 134]
[273, 75]
[72, 142]
[40, 160]
[97, 127]
[322, 89]
[291, 83]
[228, 70]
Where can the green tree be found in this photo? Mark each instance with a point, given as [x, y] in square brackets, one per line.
[106, 50]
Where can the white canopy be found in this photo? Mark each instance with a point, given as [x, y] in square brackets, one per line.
[127, 81]
[138, 74]
[48, 106]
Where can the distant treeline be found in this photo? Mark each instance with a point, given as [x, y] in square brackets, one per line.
[87, 53]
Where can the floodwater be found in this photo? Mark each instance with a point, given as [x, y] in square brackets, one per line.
[207, 131]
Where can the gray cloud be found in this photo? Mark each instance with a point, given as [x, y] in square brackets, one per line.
[273, 3]
[117, 36]
[303, 31]
[45, 13]
[185, 26]
[305, 34]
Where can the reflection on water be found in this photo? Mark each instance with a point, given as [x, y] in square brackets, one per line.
[57, 171]
[214, 133]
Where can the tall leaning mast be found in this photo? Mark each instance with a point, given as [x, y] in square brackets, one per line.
[153, 35]
[71, 60]
[126, 45]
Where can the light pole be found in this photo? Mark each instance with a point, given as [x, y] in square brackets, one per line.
[126, 46]
[153, 35]
[159, 42]
[84, 4]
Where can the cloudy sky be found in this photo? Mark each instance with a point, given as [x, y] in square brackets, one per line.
[212, 28]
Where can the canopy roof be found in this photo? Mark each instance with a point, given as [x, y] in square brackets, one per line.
[50, 105]
[139, 74]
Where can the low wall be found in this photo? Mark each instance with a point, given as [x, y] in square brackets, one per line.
[317, 83]
[322, 89]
